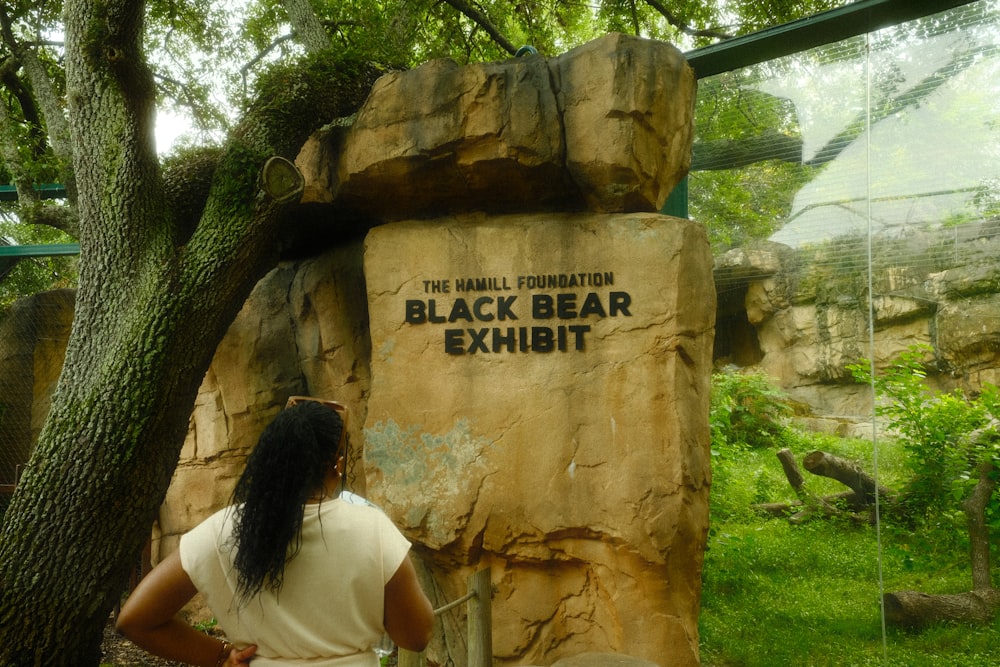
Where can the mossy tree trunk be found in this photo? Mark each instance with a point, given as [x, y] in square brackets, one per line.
[156, 296]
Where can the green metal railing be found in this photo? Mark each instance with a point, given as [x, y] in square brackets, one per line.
[45, 191]
[44, 250]
[827, 27]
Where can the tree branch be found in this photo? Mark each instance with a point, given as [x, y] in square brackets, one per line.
[260, 56]
[735, 153]
[676, 21]
[483, 22]
[848, 473]
[53, 215]
[307, 27]
[12, 159]
[975, 506]
[40, 107]
[55, 119]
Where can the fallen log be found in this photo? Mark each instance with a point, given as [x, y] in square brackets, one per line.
[809, 503]
[847, 473]
[846, 499]
[777, 509]
[914, 610]
[791, 468]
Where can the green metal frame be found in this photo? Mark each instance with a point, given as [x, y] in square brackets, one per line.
[826, 27]
[834, 25]
[45, 191]
[39, 250]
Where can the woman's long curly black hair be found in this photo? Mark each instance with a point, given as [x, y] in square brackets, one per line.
[286, 467]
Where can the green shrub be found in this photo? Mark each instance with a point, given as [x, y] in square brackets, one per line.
[747, 411]
[809, 594]
[933, 430]
[748, 421]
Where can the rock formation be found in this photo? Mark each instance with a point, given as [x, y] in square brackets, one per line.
[554, 432]
[801, 316]
[524, 343]
[606, 127]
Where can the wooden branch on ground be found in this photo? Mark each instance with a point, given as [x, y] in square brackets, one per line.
[847, 473]
[812, 504]
[914, 610]
[791, 468]
[908, 609]
[859, 499]
[835, 500]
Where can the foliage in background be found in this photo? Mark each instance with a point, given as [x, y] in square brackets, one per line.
[203, 45]
[747, 414]
[741, 205]
[747, 159]
[748, 411]
[207, 57]
[774, 593]
[29, 275]
[933, 430]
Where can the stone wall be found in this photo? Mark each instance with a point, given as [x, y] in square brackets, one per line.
[33, 335]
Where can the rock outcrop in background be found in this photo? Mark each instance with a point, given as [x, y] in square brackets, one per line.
[802, 316]
[524, 344]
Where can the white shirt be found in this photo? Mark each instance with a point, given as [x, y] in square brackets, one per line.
[329, 610]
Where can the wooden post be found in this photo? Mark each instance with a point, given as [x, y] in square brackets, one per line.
[479, 595]
[480, 620]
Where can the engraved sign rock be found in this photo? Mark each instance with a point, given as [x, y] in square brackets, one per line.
[539, 404]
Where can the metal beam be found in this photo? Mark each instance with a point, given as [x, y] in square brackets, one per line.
[45, 191]
[39, 250]
[826, 27]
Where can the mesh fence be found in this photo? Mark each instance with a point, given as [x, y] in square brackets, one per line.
[33, 335]
[871, 156]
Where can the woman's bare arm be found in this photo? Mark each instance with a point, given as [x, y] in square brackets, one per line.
[409, 616]
[149, 618]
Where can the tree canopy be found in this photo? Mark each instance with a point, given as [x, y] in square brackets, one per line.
[204, 57]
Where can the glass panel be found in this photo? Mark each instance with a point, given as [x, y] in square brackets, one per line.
[852, 198]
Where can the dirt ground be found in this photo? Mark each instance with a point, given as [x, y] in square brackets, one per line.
[120, 652]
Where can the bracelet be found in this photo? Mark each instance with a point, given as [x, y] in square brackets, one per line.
[224, 652]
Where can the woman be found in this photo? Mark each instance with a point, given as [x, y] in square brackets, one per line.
[293, 574]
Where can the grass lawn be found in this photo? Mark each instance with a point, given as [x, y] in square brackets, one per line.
[776, 594]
